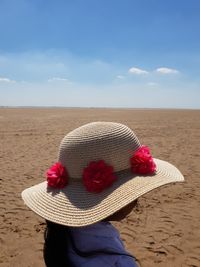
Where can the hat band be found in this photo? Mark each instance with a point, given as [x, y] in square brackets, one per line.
[98, 175]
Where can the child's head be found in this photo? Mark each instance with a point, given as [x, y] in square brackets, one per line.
[102, 169]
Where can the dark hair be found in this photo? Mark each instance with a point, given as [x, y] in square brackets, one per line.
[55, 245]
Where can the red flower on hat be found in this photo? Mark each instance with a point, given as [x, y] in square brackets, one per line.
[57, 176]
[97, 176]
[142, 161]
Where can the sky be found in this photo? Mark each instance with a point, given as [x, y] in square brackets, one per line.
[108, 53]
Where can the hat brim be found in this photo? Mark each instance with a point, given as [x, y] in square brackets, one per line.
[75, 206]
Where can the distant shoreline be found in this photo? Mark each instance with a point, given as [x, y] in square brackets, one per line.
[112, 108]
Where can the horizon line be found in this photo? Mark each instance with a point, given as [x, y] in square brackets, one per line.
[102, 107]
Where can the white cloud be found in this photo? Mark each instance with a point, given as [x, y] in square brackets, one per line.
[152, 84]
[165, 70]
[121, 77]
[137, 71]
[58, 79]
[6, 80]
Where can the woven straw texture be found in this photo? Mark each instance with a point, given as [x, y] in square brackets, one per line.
[112, 142]
[74, 205]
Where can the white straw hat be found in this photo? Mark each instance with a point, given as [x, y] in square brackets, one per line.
[82, 199]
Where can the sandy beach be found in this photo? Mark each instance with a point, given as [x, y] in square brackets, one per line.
[164, 228]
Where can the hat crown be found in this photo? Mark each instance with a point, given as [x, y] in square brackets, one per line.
[112, 142]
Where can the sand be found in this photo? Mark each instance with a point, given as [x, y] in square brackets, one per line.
[163, 230]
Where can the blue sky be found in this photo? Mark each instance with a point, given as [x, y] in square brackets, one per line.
[90, 53]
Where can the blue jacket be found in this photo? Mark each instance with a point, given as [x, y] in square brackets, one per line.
[97, 245]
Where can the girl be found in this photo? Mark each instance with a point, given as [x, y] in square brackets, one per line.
[101, 170]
